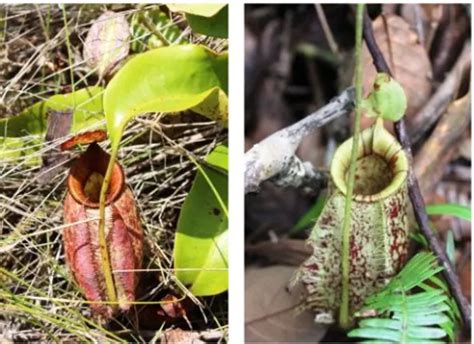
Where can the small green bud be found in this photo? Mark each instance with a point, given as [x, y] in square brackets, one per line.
[387, 99]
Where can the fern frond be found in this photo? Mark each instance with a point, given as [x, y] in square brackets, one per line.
[405, 316]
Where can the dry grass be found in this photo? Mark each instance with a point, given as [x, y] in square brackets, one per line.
[38, 298]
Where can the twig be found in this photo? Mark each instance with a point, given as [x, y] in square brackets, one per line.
[275, 155]
[69, 50]
[326, 29]
[414, 190]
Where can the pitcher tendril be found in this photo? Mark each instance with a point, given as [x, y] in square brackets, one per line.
[360, 239]
[344, 310]
[104, 252]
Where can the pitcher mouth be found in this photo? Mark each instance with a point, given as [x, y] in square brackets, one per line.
[382, 166]
[86, 173]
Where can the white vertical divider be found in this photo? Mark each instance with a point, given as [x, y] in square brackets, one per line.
[236, 172]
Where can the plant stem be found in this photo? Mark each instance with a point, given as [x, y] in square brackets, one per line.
[104, 253]
[345, 254]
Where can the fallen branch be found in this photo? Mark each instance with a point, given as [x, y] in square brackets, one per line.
[274, 157]
[414, 190]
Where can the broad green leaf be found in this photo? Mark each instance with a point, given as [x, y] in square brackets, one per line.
[168, 79]
[143, 39]
[450, 209]
[22, 135]
[204, 10]
[200, 251]
[85, 103]
[13, 149]
[215, 26]
[219, 157]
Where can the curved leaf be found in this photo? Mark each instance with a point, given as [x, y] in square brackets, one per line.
[450, 209]
[310, 217]
[219, 157]
[204, 10]
[168, 79]
[200, 251]
[215, 26]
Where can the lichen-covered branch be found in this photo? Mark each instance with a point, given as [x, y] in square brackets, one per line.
[274, 157]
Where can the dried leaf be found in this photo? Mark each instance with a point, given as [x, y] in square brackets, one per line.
[59, 125]
[407, 58]
[265, 299]
[424, 19]
[107, 42]
[465, 279]
[431, 161]
[172, 308]
[178, 336]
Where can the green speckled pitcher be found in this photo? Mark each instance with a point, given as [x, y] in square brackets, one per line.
[378, 228]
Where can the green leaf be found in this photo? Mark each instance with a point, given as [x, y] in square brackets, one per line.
[450, 209]
[85, 103]
[376, 333]
[24, 134]
[219, 157]
[168, 79]
[200, 251]
[204, 10]
[309, 218]
[16, 149]
[143, 39]
[215, 26]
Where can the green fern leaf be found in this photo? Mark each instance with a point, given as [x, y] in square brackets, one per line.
[403, 315]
